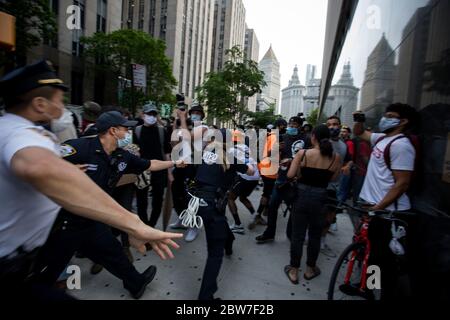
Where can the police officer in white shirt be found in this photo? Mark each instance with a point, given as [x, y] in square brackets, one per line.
[35, 182]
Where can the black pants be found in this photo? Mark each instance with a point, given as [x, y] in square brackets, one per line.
[159, 181]
[218, 236]
[179, 195]
[308, 214]
[97, 243]
[124, 196]
[18, 284]
[276, 199]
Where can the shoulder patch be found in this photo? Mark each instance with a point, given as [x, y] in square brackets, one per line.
[67, 150]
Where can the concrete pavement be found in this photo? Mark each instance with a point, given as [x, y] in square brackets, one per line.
[254, 272]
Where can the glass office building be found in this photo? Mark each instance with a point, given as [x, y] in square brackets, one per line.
[398, 51]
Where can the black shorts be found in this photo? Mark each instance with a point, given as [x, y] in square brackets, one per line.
[269, 184]
[243, 188]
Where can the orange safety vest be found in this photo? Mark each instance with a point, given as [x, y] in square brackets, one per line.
[266, 166]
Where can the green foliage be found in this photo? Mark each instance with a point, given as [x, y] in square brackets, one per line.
[313, 118]
[34, 21]
[225, 92]
[261, 119]
[117, 51]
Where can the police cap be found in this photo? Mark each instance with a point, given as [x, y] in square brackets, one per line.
[113, 119]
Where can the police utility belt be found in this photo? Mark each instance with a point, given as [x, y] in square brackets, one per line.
[212, 194]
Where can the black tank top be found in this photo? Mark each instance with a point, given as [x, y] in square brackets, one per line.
[315, 177]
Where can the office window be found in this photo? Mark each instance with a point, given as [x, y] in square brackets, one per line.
[77, 47]
[101, 15]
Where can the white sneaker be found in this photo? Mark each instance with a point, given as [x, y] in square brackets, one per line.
[177, 225]
[237, 229]
[191, 234]
[334, 227]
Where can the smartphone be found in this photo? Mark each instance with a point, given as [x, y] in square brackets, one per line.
[359, 117]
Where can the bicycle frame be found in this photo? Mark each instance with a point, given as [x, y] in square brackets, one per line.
[361, 236]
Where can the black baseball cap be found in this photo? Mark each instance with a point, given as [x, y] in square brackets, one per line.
[113, 119]
[29, 77]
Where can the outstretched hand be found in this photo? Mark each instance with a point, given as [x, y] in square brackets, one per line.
[160, 241]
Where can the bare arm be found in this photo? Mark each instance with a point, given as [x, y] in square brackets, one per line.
[158, 165]
[359, 131]
[402, 182]
[336, 168]
[69, 187]
[295, 165]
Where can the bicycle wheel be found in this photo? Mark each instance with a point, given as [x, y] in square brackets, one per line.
[338, 289]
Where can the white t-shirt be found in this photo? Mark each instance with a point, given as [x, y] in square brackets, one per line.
[26, 215]
[379, 179]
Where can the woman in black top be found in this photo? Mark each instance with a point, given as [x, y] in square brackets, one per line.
[314, 169]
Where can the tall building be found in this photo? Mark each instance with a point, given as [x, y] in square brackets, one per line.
[271, 93]
[292, 101]
[310, 73]
[343, 97]
[379, 79]
[186, 26]
[65, 52]
[229, 30]
[251, 47]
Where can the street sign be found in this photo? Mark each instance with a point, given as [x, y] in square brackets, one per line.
[8, 34]
[139, 75]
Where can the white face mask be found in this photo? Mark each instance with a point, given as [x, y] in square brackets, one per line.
[126, 141]
[150, 120]
[63, 122]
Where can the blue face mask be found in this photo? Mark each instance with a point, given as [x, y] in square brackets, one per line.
[292, 131]
[387, 124]
[196, 118]
[122, 143]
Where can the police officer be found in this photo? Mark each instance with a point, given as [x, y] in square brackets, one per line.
[214, 177]
[105, 162]
[35, 183]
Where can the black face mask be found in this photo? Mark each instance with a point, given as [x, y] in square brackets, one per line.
[283, 131]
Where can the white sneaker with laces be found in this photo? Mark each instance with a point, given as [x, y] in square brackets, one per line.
[191, 234]
[237, 229]
[177, 225]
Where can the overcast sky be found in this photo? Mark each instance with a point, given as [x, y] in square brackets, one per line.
[295, 28]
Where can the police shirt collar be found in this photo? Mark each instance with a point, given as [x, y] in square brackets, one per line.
[20, 119]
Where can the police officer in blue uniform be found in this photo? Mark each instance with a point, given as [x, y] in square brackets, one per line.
[214, 177]
[35, 183]
[105, 162]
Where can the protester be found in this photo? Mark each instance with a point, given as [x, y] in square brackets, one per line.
[314, 169]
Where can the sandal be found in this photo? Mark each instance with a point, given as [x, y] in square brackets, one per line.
[317, 273]
[287, 269]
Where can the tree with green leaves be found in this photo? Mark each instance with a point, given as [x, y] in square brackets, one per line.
[313, 118]
[225, 93]
[34, 21]
[261, 119]
[119, 50]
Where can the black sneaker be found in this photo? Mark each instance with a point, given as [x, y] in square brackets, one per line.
[262, 239]
[148, 276]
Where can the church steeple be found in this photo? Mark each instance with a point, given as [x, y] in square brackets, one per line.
[295, 80]
[346, 77]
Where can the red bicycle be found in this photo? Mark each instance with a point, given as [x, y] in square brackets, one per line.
[349, 277]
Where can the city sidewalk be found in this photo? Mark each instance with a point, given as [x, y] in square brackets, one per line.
[254, 272]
